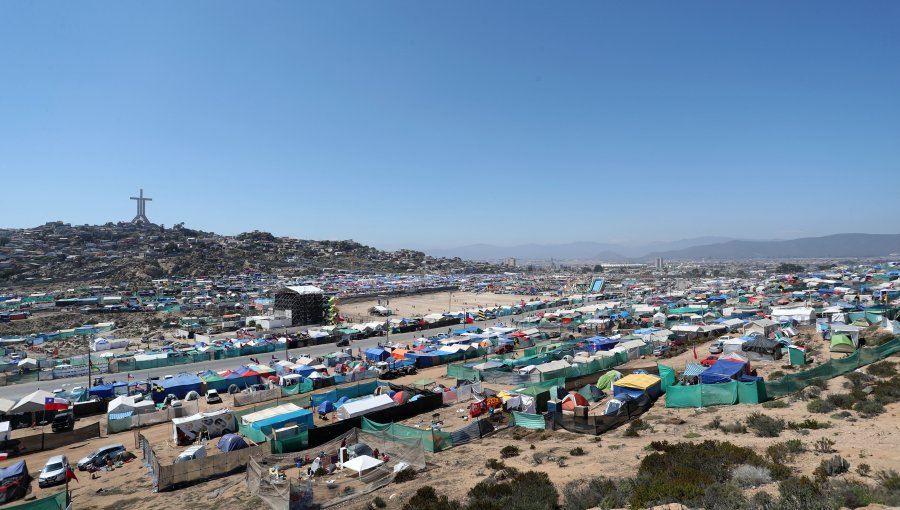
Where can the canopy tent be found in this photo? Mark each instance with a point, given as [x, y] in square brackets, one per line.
[637, 385]
[842, 343]
[6, 405]
[180, 386]
[364, 406]
[605, 381]
[723, 370]
[362, 463]
[377, 354]
[31, 403]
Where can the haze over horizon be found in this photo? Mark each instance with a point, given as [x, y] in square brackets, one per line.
[433, 126]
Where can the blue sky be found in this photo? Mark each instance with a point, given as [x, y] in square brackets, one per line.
[437, 124]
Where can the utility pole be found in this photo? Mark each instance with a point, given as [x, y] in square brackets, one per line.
[89, 362]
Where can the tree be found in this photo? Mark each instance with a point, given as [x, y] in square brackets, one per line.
[785, 267]
[598, 268]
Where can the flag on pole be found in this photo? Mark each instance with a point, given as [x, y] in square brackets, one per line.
[130, 376]
[469, 319]
[55, 404]
[70, 475]
[695, 351]
[3, 455]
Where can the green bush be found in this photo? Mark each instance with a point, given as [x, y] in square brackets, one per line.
[762, 501]
[426, 498]
[808, 424]
[530, 490]
[775, 404]
[747, 476]
[778, 374]
[864, 469]
[603, 492]
[824, 445]
[889, 479]
[577, 451]
[858, 379]
[495, 464]
[850, 494]
[509, 451]
[841, 400]
[887, 391]
[832, 467]
[723, 496]
[819, 406]
[782, 453]
[869, 408]
[734, 428]
[802, 494]
[819, 383]
[765, 426]
[378, 502]
[882, 369]
[635, 427]
[714, 424]
[405, 475]
[841, 415]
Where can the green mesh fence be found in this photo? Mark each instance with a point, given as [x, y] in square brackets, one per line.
[793, 383]
[295, 389]
[291, 444]
[432, 440]
[55, 502]
[528, 421]
[461, 372]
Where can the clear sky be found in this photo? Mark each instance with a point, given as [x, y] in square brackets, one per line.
[436, 124]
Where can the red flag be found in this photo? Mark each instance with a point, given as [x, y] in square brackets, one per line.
[695, 351]
[469, 319]
[130, 376]
[55, 404]
[70, 475]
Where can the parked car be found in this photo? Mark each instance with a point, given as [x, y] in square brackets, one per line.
[54, 471]
[343, 342]
[716, 347]
[63, 421]
[192, 453]
[709, 360]
[662, 350]
[99, 456]
[212, 397]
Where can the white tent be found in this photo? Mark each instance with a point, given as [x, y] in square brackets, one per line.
[6, 405]
[356, 408]
[362, 463]
[4, 431]
[31, 403]
[802, 315]
[29, 363]
[271, 412]
[121, 404]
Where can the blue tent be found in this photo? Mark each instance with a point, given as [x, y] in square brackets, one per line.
[231, 442]
[109, 390]
[301, 417]
[180, 385]
[377, 354]
[326, 407]
[723, 370]
[16, 469]
[304, 370]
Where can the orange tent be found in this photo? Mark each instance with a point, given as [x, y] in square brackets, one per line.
[573, 399]
[399, 353]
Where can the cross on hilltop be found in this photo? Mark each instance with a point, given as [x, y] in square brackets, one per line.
[141, 216]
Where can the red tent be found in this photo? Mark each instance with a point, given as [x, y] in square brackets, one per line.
[573, 399]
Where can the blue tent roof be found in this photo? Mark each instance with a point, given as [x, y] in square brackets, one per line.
[326, 407]
[723, 370]
[13, 470]
[231, 442]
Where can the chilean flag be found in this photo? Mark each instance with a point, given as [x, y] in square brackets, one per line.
[55, 404]
[469, 319]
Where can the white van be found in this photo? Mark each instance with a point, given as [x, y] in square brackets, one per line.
[194, 452]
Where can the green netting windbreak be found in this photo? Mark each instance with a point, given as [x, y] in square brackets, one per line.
[702, 395]
[528, 421]
[531, 351]
[54, 502]
[291, 444]
[543, 385]
[752, 392]
[793, 383]
[295, 389]
[461, 372]
[667, 376]
[432, 440]
[114, 426]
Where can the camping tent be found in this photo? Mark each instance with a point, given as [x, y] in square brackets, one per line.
[573, 399]
[761, 349]
[231, 442]
[605, 381]
[637, 385]
[180, 386]
[841, 343]
[377, 354]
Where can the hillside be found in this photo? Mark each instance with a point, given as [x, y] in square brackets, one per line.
[833, 246]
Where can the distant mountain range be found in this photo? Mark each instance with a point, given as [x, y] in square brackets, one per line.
[719, 248]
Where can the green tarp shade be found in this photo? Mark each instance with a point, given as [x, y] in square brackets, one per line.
[293, 444]
[702, 395]
[752, 392]
[534, 388]
[432, 440]
[528, 421]
[666, 375]
[797, 357]
[55, 502]
[792, 383]
[295, 389]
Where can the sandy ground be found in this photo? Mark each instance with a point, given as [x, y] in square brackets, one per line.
[454, 471]
[438, 302]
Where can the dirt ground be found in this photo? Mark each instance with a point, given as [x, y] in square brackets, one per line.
[453, 472]
[438, 302]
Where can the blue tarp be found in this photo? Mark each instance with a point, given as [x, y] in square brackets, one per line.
[13, 470]
[304, 370]
[231, 442]
[108, 390]
[723, 370]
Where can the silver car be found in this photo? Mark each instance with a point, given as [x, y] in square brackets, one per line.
[99, 456]
[54, 471]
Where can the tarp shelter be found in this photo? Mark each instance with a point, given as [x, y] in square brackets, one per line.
[723, 370]
[796, 356]
[801, 315]
[591, 392]
[180, 386]
[605, 381]
[364, 406]
[849, 330]
[214, 424]
[231, 442]
[6, 405]
[31, 403]
[377, 354]
[17, 469]
[762, 349]
[841, 343]
[637, 385]
[362, 463]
